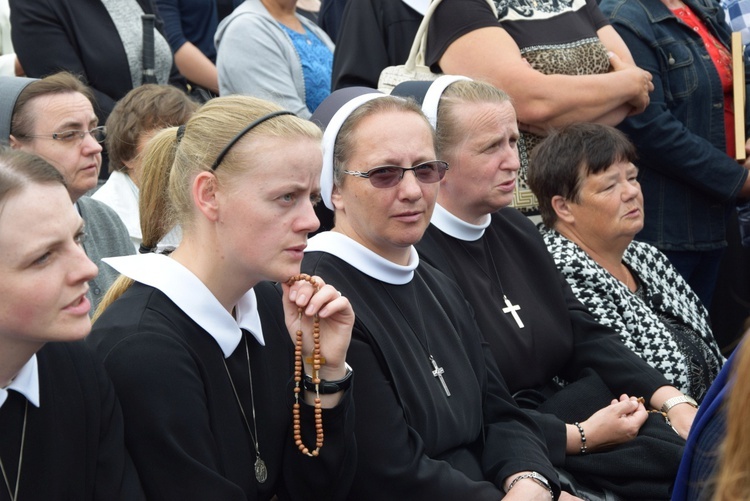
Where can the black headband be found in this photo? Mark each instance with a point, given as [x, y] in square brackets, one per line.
[244, 131]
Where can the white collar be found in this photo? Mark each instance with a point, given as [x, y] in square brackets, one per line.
[362, 258]
[458, 228]
[121, 194]
[418, 5]
[193, 297]
[26, 383]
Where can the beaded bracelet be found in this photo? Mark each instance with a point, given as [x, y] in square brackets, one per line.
[584, 449]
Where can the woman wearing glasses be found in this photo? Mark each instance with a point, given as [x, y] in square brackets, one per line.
[54, 118]
[198, 347]
[434, 419]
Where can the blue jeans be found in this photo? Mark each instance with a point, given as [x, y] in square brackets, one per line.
[700, 269]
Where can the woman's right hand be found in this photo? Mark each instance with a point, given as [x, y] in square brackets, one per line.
[336, 321]
[615, 424]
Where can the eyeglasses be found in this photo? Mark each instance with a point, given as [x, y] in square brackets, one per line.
[75, 136]
[388, 176]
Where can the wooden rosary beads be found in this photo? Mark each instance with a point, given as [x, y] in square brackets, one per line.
[316, 361]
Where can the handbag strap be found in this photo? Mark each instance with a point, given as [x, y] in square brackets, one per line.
[419, 46]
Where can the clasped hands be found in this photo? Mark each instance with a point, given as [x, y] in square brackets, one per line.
[614, 424]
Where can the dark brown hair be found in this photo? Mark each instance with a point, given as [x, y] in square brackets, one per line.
[567, 156]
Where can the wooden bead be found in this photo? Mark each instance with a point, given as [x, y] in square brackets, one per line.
[316, 363]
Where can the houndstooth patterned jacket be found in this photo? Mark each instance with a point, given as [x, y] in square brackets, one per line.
[654, 323]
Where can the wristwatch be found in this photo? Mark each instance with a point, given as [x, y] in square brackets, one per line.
[536, 477]
[329, 387]
[682, 399]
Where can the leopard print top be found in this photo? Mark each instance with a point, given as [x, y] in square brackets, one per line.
[584, 57]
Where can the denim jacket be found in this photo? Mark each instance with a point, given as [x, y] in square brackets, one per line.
[689, 183]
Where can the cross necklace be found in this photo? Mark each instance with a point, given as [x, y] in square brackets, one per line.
[261, 472]
[437, 371]
[511, 308]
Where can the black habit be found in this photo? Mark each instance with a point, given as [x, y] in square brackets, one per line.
[414, 442]
[184, 428]
[74, 446]
[559, 336]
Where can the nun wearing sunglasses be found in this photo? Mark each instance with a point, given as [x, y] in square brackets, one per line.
[434, 418]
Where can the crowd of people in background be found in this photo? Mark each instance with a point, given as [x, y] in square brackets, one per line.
[537, 262]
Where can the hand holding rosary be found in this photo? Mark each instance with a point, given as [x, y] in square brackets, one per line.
[313, 382]
[316, 361]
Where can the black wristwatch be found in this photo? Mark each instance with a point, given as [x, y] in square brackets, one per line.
[329, 387]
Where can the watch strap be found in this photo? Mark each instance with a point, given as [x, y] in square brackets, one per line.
[536, 477]
[682, 399]
[329, 387]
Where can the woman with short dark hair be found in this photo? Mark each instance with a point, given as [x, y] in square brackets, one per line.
[592, 207]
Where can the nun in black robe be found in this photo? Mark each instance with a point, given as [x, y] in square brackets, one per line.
[435, 420]
[543, 338]
[198, 344]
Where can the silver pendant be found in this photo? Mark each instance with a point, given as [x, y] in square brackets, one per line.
[261, 473]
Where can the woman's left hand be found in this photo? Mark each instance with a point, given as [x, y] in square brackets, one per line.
[681, 418]
[336, 322]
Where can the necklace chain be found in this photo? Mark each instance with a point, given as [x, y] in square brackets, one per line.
[14, 495]
[317, 361]
[495, 281]
[261, 473]
[436, 370]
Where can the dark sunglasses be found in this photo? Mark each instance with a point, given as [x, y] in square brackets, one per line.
[388, 176]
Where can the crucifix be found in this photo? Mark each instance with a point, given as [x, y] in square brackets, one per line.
[438, 373]
[512, 309]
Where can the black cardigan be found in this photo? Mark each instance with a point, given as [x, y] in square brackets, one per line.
[184, 429]
[78, 36]
[74, 447]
